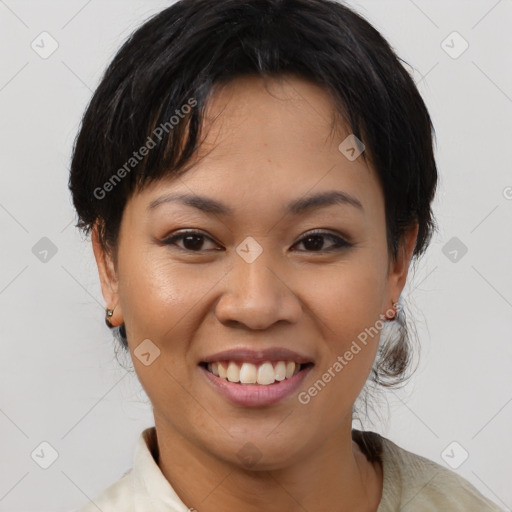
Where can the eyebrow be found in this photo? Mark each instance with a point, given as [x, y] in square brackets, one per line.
[296, 207]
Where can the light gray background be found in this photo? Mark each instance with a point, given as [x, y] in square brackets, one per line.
[60, 380]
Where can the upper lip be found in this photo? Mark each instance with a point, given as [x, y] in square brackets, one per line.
[247, 355]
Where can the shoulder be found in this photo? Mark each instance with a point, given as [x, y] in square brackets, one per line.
[424, 485]
[414, 483]
[119, 496]
[143, 487]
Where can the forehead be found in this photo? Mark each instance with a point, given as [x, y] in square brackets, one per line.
[259, 108]
[270, 141]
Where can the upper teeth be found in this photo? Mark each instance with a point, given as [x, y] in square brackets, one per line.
[248, 373]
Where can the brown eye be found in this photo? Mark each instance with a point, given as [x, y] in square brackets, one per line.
[193, 241]
[314, 241]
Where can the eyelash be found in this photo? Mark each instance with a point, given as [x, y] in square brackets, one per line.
[340, 243]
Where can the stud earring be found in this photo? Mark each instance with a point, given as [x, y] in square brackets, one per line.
[108, 316]
[395, 313]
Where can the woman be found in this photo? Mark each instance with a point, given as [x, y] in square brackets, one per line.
[256, 177]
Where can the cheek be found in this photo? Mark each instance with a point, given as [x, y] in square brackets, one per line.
[158, 298]
[154, 293]
[347, 302]
[348, 297]
[163, 301]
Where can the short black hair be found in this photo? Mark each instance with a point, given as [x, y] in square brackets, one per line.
[162, 76]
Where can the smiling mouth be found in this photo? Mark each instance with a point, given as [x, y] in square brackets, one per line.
[264, 374]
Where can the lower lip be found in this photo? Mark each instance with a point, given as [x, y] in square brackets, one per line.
[256, 395]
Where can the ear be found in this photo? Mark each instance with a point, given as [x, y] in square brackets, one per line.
[108, 277]
[398, 268]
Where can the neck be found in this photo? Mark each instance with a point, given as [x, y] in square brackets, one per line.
[336, 476]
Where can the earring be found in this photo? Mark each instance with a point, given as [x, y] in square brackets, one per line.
[395, 313]
[108, 315]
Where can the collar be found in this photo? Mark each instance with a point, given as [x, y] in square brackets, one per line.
[151, 490]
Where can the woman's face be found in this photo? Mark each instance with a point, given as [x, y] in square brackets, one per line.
[255, 281]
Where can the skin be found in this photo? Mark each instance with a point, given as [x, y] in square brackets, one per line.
[265, 146]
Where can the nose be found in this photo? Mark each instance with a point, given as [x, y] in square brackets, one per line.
[256, 295]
